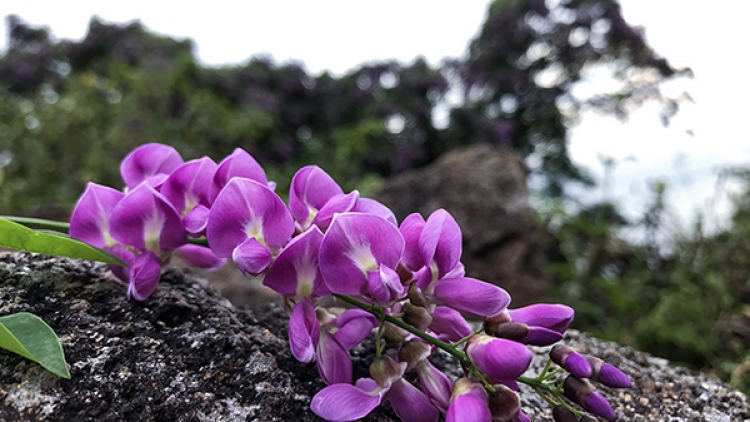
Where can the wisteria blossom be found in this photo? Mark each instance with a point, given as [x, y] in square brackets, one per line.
[399, 291]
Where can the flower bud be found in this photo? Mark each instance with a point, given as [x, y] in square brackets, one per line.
[572, 361]
[468, 402]
[492, 323]
[554, 317]
[504, 403]
[583, 393]
[404, 273]
[413, 352]
[435, 385]
[608, 374]
[511, 330]
[499, 358]
[385, 371]
[417, 297]
[562, 414]
[417, 316]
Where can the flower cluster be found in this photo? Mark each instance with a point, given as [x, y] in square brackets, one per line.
[405, 281]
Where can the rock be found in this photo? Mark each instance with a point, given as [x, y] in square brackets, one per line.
[185, 354]
[484, 188]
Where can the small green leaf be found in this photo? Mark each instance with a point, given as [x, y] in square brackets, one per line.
[17, 236]
[29, 336]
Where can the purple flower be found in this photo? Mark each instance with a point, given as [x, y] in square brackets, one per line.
[147, 221]
[248, 222]
[149, 161]
[498, 358]
[572, 361]
[144, 274]
[311, 189]
[583, 393]
[188, 188]
[90, 219]
[346, 402]
[468, 403]
[554, 317]
[199, 256]
[359, 254]
[470, 295]
[450, 322]
[295, 273]
[607, 374]
[238, 164]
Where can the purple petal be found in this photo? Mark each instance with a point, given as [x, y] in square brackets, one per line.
[148, 160]
[441, 241]
[311, 189]
[144, 276]
[354, 244]
[411, 228]
[540, 336]
[246, 209]
[337, 204]
[145, 220]
[199, 256]
[295, 272]
[196, 220]
[497, 357]
[471, 295]
[127, 256]
[304, 331]
[251, 257]
[90, 219]
[334, 362]
[346, 402]
[371, 206]
[190, 185]
[411, 404]
[598, 405]
[553, 316]
[468, 403]
[577, 365]
[613, 377]
[435, 384]
[353, 326]
[384, 284]
[238, 164]
[450, 322]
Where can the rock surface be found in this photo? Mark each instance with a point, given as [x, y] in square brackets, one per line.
[484, 188]
[185, 354]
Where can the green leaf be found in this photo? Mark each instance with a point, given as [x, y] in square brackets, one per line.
[17, 236]
[29, 336]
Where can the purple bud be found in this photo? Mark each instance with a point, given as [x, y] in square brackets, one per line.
[435, 384]
[608, 374]
[385, 371]
[468, 403]
[450, 322]
[572, 361]
[414, 351]
[552, 316]
[417, 316]
[583, 393]
[498, 358]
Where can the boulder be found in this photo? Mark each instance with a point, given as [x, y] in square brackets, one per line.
[484, 188]
[186, 354]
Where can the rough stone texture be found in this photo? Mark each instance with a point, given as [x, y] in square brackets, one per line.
[484, 188]
[185, 354]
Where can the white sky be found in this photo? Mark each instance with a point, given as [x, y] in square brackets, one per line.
[340, 34]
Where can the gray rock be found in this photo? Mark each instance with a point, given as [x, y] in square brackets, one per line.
[484, 188]
[185, 354]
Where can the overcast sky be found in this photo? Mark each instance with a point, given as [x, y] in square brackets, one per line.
[340, 34]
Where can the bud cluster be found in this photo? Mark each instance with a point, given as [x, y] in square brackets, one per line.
[406, 283]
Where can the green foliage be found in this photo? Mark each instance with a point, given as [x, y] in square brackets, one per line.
[690, 304]
[17, 236]
[27, 335]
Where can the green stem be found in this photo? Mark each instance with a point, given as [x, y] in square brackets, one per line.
[39, 223]
[377, 311]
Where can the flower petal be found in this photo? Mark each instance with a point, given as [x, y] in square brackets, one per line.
[499, 358]
[346, 402]
[548, 315]
[411, 404]
[145, 220]
[295, 272]
[354, 244]
[237, 164]
[145, 273]
[311, 189]
[441, 241]
[337, 204]
[199, 256]
[384, 284]
[244, 209]
[467, 294]
[435, 384]
[371, 206]
[148, 160]
[304, 331]
[190, 185]
[251, 257]
[196, 220]
[450, 322]
[334, 362]
[468, 403]
[353, 326]
[411, 228]
[90, 219]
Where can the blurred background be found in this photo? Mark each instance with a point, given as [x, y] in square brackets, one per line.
[627, 114]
